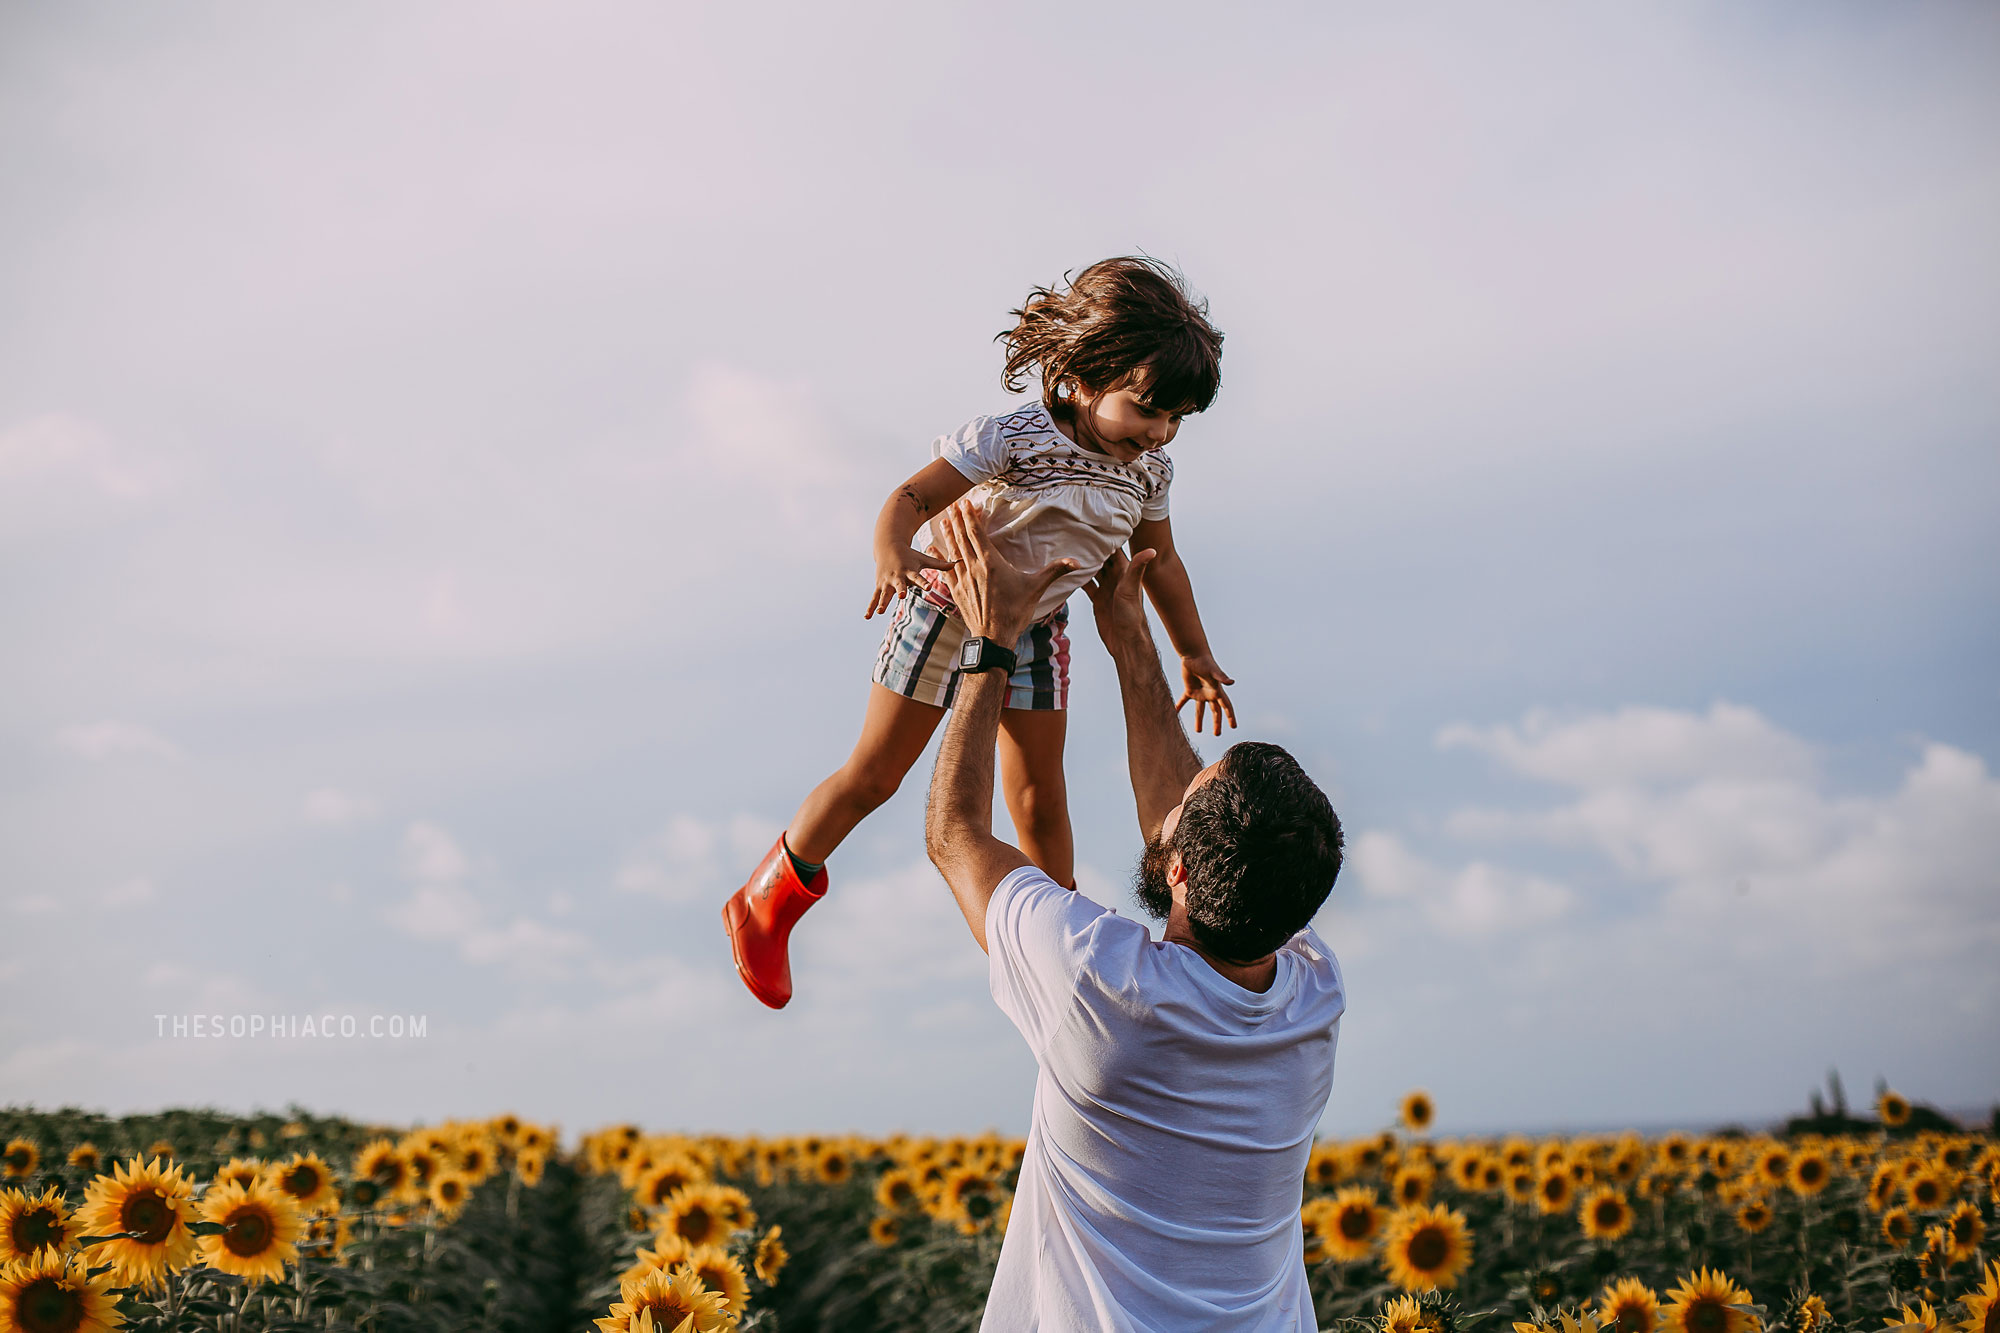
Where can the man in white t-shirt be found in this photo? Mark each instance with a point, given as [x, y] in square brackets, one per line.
[1180, 1080]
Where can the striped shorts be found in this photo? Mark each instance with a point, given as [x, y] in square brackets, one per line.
[919, 657]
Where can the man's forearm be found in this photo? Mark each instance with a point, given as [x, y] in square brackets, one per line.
[961, 797]
[1161, 759]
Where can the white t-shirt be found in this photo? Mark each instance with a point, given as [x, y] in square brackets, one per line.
[1048, 498]
[1174, 1113]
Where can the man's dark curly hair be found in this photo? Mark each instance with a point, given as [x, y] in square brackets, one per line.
[1261, 846]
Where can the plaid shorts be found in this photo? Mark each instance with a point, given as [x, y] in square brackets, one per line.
[919, 657]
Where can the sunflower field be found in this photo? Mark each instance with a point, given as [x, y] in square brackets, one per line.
[193, 1220]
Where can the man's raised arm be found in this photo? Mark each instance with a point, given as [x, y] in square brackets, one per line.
[1161, 759]
[997, 602]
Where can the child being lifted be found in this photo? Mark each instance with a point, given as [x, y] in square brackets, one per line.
[1123, 354]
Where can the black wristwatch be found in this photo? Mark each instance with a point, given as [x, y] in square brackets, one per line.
[977, 654]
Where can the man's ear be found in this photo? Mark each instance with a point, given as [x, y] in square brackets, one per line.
[1176, 870]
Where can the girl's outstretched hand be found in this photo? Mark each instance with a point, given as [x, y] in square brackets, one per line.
[896, 569]
[1202, 681]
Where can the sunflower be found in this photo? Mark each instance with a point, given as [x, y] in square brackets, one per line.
[733, 1205]
[84, 1156]
[1352, 1225]
[1773, 1165]
[1893, 1108]
[1629, 1306]
[1811, 1172]
[1405, 1315]
[260, 1228]
[1520, 1184]
[692, 1215]
[153, 1203]
[528, 1166]
[307, 1182]
[327, 1234]
[1705, 1302]
[1883, 1186]
[1553, 1191]
[48, 1295]
[954, 1201]
[833, 1166]
[20, 1159]
[1412, 1185]
[31, 1224]
[1605, 1215]
[667, 1302]
[1324, 1166]
[1922, 1317]
[1982, 1305]
[1898, 1227]
[722, 1274]
[424, 1161]
[897, 1191]
[771, 1257]
[449, 1192]
[1754, 1215]
[1418, 1111]
[244, 1171]
[161, 1148]
[1925, 1191]
[477, 1156]
[381, 1162]
[1809, 1315]
[1965, 1229]
[666, 1178]
[1425, 1248]
[882, 1229]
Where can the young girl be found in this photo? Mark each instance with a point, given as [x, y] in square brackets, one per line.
[1122, 355]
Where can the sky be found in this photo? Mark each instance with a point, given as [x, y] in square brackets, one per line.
[439, 443]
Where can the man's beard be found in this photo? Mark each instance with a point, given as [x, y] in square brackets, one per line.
[1149, 880]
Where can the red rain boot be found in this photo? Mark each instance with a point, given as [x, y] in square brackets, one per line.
[759, 919]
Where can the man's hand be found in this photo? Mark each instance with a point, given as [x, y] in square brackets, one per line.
[1116, 596]
[996, 600]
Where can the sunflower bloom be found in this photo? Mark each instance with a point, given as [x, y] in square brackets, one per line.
[244, 1171]
[260, 1230]
[1554, 1190]
[722, 1274]
[84, 1156]
[1412, 1185]
[385, 1165]
[1982, 1305]
[882, 1229]
[529, 1165]
[1426, 1248]
[771, 1257]
[1754, 1216]
[49, 1293]
[1629, 1306]
[1965, 1229]
[1811, 1172]
[31, 1224]
[20, 1159]
[1418, 1111]
[1605, 1215]
[897, 1192]
[1922, 1317]
[1893, 1109]
[449, 1192]
[1898, 1227]
[1926, 1191]
[307, 1182]
[154, 1203]
[1353, 1224]
[666, 1302]
[1705, 1302]
[666, 1178]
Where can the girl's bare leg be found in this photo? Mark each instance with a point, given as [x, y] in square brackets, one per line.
[1031, 776]
[893, 736]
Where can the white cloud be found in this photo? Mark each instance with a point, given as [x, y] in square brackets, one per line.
[1640, 746]
[442, 908]
[691, 860]
[57, 471]
[36, 904]
[1474, 899]
[108, 739]
[334, 807]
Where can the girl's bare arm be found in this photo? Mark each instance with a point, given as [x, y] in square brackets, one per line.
[1172, 593]
[909, 507]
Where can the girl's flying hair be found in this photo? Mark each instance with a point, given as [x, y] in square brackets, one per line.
[1116, 317]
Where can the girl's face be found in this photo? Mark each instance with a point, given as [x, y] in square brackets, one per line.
[1115, 421]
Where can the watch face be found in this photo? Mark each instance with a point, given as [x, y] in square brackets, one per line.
[968, 652]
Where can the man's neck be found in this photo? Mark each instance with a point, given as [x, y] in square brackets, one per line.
[1256, 976]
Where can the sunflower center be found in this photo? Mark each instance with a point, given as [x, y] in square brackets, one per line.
[36, 1227]
[147, 1216]
[1428, 1249]
[1707, 1316]
[695, 1223]
[301, 1181]
[979, 1207]
[1610, 1213]
[47, 1305]
[17, 1160]
[1811, 1172]
[669, 1305]
[1632, 1319]
[247, 1233]
[1354, 1223]
[1962, 1228]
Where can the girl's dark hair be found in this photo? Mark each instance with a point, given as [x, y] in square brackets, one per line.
[1116, 317]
